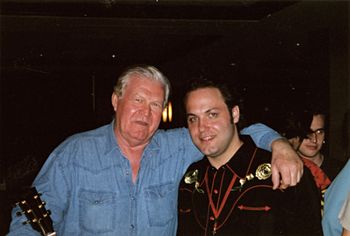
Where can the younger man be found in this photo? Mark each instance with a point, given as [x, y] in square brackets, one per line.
[230, 191]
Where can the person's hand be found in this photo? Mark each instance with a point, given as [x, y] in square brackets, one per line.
[287, 167]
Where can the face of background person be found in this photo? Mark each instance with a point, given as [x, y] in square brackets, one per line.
[210, 122]
[138, 110]
[312, 145]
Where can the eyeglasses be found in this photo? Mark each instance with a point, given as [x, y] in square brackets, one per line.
[318, 133]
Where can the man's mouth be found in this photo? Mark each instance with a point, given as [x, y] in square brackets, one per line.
[143, 123]
[207, 138]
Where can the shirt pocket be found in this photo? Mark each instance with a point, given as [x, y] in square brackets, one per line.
[97, 211]
[161, 203]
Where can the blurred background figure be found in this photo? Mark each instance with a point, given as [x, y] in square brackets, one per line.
[305, 130]
[335, 199]
[344, 217]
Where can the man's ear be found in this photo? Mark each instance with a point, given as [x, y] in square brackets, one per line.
[114, 100]
[235, 114]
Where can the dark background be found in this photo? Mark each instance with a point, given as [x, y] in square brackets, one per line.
[59, 61]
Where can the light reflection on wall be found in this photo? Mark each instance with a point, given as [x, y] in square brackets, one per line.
[168, 113]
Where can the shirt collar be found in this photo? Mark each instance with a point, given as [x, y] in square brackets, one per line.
[112, 144]
[241, 160]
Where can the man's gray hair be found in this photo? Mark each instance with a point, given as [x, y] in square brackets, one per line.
[146, 72]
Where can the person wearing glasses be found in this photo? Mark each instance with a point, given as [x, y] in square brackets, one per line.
[312, 145]
[305, 130]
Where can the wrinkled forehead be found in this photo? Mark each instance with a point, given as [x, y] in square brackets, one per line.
[146, 86]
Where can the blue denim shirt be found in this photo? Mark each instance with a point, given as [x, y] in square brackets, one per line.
[335, 197]
[87, 184]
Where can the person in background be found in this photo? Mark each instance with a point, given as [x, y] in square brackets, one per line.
[300, 131]
[335, 198]
[229, 192]
[344, 217]
[311, 145]
[297, 131]
[122, 178]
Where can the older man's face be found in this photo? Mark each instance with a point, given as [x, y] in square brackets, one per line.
[138, 111]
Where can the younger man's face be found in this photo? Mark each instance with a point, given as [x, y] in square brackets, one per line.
[210, 122]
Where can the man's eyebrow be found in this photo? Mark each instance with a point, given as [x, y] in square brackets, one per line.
[319, 129]
[214, 109]
[190, 114]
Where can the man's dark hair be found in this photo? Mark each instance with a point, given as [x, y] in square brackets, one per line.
[297, 124]
[228, 92]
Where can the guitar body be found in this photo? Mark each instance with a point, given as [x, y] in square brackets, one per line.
[37, 215]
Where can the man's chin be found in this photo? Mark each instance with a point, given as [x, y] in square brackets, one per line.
[311, 155]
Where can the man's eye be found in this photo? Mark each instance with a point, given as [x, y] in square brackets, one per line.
[157, 105]
[320, 131]
[191, 119]
[213, 114]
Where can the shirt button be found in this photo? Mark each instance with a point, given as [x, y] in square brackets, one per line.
[212, 218]
[132, 227]
[216, 191]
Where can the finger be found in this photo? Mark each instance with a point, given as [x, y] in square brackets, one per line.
[283, 186]
[275, 178]
[293, 178]
[299, 173]
[287, 178]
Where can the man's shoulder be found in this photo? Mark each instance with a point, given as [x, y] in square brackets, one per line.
[171, 133]
[85, 139]
[250, 145]
[201, 164]
[97, 132]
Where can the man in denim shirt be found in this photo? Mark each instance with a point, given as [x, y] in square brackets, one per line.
[123, 178]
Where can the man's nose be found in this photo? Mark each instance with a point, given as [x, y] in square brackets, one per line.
[313, 137]
[146, 110]
[202, 124]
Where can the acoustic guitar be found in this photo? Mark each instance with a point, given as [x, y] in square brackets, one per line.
[37, 215]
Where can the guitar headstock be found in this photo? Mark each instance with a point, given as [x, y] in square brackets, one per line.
[37, 215]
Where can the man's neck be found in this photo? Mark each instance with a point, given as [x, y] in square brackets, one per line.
[221, 160]
[317, 159]
[132, 152]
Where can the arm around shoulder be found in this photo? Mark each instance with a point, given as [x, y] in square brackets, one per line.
[287, 168]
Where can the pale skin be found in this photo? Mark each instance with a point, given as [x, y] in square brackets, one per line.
[210, 126]
[138, 115]
[310, 147]
[214, 132]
